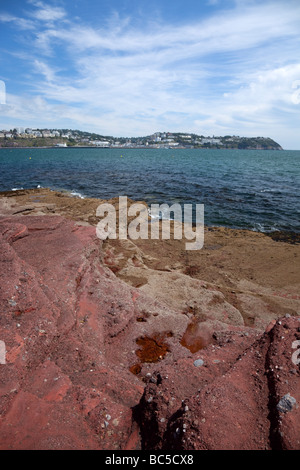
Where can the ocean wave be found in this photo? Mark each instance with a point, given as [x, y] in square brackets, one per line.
[264, 228]
[166, 213]
[77, 194]
[160, 215]
[274, 191]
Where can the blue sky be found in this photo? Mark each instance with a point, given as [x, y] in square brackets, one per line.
[134, 67]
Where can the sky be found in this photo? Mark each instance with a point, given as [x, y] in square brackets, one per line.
[129, 68]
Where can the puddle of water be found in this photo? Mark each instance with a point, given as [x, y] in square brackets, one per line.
[152, 349]
[196, 337]
[135, 369]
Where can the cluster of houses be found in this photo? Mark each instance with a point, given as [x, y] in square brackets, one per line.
[66, 138]
[185, 140]
[29, 133]
[156, 140]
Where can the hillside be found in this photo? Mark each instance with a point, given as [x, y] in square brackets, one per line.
[74, 138]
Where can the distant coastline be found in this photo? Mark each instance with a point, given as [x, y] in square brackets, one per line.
[66, 138]
[134, 147]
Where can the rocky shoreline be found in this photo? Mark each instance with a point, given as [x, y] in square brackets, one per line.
[140, 344]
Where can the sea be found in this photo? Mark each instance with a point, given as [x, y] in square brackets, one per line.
[245, 189]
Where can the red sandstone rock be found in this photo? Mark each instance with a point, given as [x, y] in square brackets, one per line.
[235, 408]
[60, 312]
[74, 333]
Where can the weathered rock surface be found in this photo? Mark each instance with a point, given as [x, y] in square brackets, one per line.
[122, 345]
[245, 396]
[61, 313]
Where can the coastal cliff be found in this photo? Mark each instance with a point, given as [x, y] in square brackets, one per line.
[140, 344]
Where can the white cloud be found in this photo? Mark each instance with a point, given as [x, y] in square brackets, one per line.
[226, 31]
[45, 70]
[22, 23]
[46, 12]
[262, 106]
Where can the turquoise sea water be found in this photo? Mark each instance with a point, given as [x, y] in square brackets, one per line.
[253, 189]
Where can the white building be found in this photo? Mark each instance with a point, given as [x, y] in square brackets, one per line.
[101, 143]
[211, 141]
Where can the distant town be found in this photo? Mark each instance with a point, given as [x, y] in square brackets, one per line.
[28, 137]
